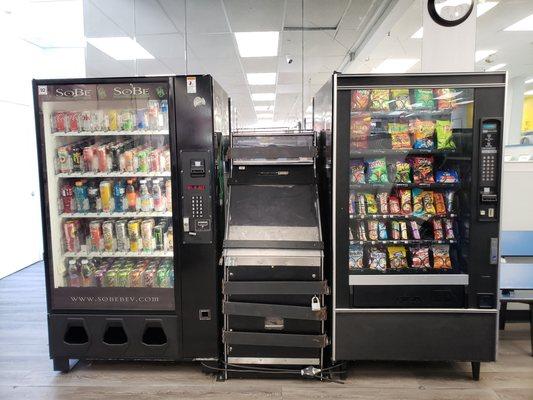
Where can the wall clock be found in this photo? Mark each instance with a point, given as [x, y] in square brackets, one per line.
[450, 12]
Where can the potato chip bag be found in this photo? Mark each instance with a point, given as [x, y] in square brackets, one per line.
[422, 132]
[445, 98]
[414, 230]
[382, 228]
[447, 176]
[397, 257]
[403, 230]
[371, 205]
[357, 171]
[377, 171]
[377, 259]
[440, 207]
[372, 229]
[399, 135]
[420, 257]
[360, 130]
[394, 205]
[360, 99]
[405, 201]
[361, 231]
[427, 200]
[403, 172]
[379, 100]
[441, 256]
[355, 254]
[395, 230]
[383, 202]
[401, 99]
[423, 169]
[361, 204]
[351, 203]
[448, 229]
[444, 134]
[418, 202]
[424, 99]
[438, 232]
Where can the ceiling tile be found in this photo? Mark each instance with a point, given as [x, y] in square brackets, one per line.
[164, 45]
[151, 18]
[103, 19]
[255, 15]
[206, 16]
[316, 14]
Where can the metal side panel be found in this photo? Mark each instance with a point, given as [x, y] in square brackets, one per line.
[273, 310]
[277, 257]
[415, 336]
[275, 287]
[274, 339]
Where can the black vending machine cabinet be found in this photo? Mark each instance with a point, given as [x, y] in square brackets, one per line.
[411, 167]
[129, 213]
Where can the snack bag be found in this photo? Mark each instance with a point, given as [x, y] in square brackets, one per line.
[403, 230]
[418, 202]
[395, 230]
[449, 196]
[371, 205]
[422, 132]
[377, 171]
[447, 176]
[424, 99]
[397, 257]
[361, 231]
[372, 230]
[423, 169]
[357, 171]
[377, 259]
[448, 229]
[405, 201]
[414, 230]
[438, 233]
[360, 131]
[361, 204]
[394, 205]
[440, 208]
[383, 202]
[379, 100]
[401, 99]
[444, 134]
[382, 230]
[360, 99]
[445, 98]
[441, 256]
[427, 200]
[351, 203]
[355, 254]
[350, 233]
[403, 172]
[420, 257]
[399, 135]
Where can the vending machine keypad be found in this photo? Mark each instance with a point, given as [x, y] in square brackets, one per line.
[489, 148]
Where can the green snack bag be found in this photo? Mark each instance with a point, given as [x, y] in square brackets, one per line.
[403, 172]
[377, 171]
[401, 99]
[444, 134]
[424, 98]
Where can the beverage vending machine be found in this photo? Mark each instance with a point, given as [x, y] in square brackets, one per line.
[129, 212]
[411, 167]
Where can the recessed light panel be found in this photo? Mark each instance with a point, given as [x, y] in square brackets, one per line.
[257, 44]
[263, 96]
[395, 65]
[121, 48]
[485, 6]
[261, 78]
[523, 25]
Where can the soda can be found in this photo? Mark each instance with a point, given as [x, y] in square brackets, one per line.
[85, 121]
[136, 274]
[101, 155]
[170, 239]
[70, 229]
[111, 277]
[134, 234]
[107, 231]
[154, 161]
[147, 235]
[112, 117]
[87, 273]
[58, 121]
[95, 229]
[99, 277]
[121, 232]
[88, 158]
[105, 195]
[73, 121]
[170, 267]
[159, 237]
[127, 120]
[149, 276]
[123, 275]
[142, 118]
[64, 159]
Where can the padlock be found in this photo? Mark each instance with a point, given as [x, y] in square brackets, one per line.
[315, 304]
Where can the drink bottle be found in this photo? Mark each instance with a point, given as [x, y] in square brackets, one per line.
[92, 194]
[157, 196]
[74, 279]
[80, 195]
[146, 199]
[164, 115]
[118, 194]
[131, 196]
[105, 195]
[66, 198]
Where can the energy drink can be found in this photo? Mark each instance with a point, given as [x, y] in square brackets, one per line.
[159, 237]
[134, 234]
[162, 276]
[121, 232]
[107, 230]
[147, 235]
[149, 276]
[136, 274]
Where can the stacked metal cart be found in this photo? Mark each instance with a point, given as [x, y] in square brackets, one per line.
[274, 284]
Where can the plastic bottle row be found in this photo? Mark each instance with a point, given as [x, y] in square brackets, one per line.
[123, 272]
[117, 195]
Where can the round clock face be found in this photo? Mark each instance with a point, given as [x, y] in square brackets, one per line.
[450, 12]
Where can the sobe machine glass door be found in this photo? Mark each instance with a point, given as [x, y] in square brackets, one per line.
[409, 207]
[107, 162]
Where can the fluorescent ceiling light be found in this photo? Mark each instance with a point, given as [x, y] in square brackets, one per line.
[482, 54]
[262, 78]
[263, 108]
[528, 93]
[483, 7]
[121, 48]
[496, 67]
[257, 44]
[263, 96]
[419, 34]
[392, 65]
[529, 81]
[525, 24]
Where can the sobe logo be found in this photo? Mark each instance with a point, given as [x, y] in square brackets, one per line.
[74, 92]
[130, 91]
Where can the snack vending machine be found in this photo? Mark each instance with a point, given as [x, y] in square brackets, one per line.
[415, 194]
[129, 206]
